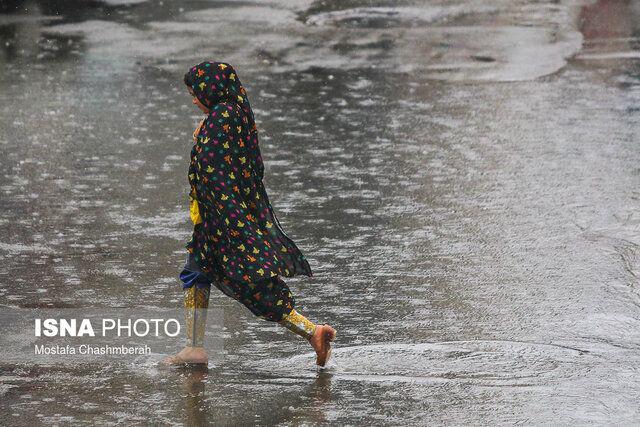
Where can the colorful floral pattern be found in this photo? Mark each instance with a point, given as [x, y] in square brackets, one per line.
[269, 299]
[239, 236]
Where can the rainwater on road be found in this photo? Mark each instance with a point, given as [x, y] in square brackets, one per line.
[463, 177]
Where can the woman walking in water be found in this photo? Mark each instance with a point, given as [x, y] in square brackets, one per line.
[237, 242]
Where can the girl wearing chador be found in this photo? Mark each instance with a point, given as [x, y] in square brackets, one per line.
[237, 243]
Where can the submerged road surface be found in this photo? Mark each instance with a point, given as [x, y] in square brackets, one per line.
[463, 176]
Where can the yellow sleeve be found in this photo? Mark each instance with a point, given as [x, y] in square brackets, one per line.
[194, 210]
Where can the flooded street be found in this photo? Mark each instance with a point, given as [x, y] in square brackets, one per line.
[463, 177]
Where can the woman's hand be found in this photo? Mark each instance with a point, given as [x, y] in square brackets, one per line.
[197, 131]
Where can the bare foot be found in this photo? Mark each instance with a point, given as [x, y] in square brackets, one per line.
[321, 343]
[195, 355]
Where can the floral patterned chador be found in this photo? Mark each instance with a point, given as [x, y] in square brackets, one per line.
[239, 234]
[237, 242]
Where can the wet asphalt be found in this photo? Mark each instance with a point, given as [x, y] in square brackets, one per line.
[463, 177]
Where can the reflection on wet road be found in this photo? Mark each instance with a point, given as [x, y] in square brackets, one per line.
[462, 176]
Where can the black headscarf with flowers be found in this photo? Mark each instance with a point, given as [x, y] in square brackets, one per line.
[217, 82]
